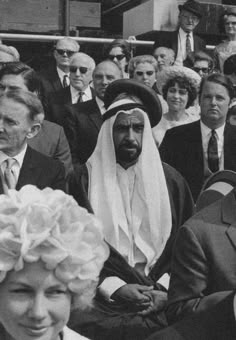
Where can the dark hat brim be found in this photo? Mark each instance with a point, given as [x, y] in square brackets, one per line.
[151, 102]
[209, 194]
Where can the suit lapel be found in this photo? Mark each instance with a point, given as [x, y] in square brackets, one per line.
[229, 215]
[30, 171]
[95, 116]
[230, 147]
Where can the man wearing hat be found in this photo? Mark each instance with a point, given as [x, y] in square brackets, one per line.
[141, 204]
[183, 41]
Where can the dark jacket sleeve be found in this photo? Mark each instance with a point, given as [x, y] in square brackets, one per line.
[193, 272]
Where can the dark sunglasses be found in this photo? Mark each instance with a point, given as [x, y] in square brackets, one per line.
[141, 73]
[67, 52]
[203, 69]
[82, 69]
[118, 57]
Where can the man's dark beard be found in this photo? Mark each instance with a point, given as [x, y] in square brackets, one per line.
[124, 155]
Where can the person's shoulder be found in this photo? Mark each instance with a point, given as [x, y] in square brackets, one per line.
[181, 131]
[51, 127]
[41, 159]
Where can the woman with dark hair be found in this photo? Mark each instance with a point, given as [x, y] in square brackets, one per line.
[228, 46]
[179, 86]
[119, 51]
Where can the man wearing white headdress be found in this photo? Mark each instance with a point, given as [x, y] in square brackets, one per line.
[136, 200]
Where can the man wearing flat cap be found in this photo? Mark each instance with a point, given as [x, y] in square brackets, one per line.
[141, 203]
[183, 41]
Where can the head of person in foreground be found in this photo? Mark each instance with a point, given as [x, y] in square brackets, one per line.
[52, 252]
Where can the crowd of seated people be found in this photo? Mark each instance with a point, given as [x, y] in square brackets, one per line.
[135, 140]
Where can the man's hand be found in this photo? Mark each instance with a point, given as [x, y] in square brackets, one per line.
[135, 294]
[157, 303]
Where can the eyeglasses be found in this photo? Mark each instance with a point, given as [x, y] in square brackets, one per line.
[190, 17]
[141, 73]
[203, 69]
[228, 23]
[182, 92]
[67, 52]
[82, 69]
[119, 57]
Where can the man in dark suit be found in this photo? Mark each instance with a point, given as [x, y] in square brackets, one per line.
[198, 149]
[81, 70]
[20, 113]
[56, 77]
[84, 120]
[203, 270]
[51, 139]
[183, 41]
[216, 323]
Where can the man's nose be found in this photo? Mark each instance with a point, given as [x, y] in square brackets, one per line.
[131, 134]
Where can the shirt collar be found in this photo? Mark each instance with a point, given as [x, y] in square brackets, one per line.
[207, 131]
[61, 74]
[183, 34]
[19, 157]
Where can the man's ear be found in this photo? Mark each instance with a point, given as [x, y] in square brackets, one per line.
[34, 130]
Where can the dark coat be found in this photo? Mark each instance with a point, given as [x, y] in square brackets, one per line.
[170, 40]
[41, 171]
[56, 105]
[51, 141]
[182, 149]
[217, 323]
[203, 269]
[118, 321]
[83, 123]
[50, 81]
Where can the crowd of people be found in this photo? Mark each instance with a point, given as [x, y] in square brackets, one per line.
[117, 191]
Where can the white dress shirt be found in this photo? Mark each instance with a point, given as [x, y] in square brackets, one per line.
[87, 94]
[101, 105]
[181, 53]
[61, 75]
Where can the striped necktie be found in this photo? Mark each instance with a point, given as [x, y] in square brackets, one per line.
[80, 97]
[188, 44]
[8, 177]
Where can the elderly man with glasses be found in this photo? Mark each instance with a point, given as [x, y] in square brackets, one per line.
[183, 41]
[81, 69]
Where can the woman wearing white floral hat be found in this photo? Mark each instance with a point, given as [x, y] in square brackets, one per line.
[51, 254]
[179, 86]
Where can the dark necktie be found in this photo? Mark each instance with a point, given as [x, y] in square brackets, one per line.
[212, 151]
[65, 81]
[188, 44]
[80, 98]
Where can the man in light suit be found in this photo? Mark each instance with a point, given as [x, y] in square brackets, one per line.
[84, 120]
[81, 70]
[189, 17]
[198, 149]
[20, 115]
